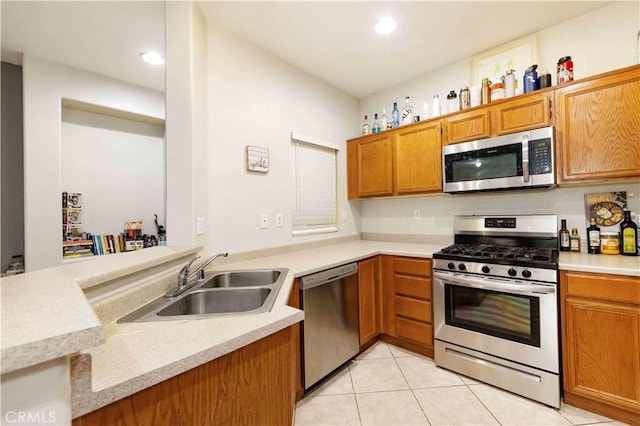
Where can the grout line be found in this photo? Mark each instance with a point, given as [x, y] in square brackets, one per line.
[479, 400]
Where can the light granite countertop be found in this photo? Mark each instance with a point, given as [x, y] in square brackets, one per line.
[117, 360]
[45, 314]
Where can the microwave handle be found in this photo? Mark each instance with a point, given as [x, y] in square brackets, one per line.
[525, 158]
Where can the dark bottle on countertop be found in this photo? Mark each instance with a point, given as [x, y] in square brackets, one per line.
[593, 237]
[564, 237]
[628, 236]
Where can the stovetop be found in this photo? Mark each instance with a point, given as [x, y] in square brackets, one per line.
[533, 257]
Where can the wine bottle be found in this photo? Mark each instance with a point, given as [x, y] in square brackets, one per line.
[628, 235]
[395, 116]
[593, 237]
[564, 237]
[365, 126]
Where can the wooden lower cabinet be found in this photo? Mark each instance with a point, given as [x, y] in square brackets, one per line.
[601, 343]
[251, 386]
[369, 300]
[407, 311]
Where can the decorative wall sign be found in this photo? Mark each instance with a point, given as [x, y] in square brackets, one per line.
[257, 159]
[517, 55]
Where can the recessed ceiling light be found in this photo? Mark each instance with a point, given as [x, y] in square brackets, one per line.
[386, 25]
[152, 58]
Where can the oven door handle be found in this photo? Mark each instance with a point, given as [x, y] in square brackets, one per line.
[528, 289]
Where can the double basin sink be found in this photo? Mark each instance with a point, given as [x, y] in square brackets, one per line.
[218, 294]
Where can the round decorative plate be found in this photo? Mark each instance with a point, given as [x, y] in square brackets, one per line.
[607, 213]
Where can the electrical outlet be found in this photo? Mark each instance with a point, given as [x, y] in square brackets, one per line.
[417, 214]
[345, 216]
[279, 220]
[264, 221]
[200, 225]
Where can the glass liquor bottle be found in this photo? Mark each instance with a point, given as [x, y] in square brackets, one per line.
[365, 126]
[384, 123]
[628, 235]
[395, 116]
[407, 111]
[593, 237]
[575, 240]
[376, 124]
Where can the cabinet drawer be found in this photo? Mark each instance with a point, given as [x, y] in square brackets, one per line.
[413, 286]
[615, 288]
[415, 331]
[407, 265]
[412, 308]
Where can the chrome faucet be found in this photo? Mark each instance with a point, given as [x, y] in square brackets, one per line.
[185, 275]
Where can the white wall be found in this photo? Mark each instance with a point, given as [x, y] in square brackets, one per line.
[45, 85]
[118, 166]
[599, 41]
[256, 99]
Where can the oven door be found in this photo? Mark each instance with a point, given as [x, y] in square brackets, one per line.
[511, 319]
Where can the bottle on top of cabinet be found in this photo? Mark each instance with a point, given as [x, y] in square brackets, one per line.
[575, 240]
[365, 126]
[376, 124]
[395, 116]
[452, 101]
[436, 106]
[485, 91]
[384, 122]
[564, 237]
[628, 235]
[465, 98]
[407, 112]
[593, 237]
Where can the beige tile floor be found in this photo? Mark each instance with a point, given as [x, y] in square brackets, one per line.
[387, 385]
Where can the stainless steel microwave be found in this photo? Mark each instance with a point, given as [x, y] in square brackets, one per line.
[514, 161]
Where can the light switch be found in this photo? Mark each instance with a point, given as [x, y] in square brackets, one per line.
[279, 220]
[200, 225]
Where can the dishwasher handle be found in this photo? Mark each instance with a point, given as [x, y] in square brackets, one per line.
[324, 277]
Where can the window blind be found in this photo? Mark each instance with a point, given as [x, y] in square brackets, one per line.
[315, 195]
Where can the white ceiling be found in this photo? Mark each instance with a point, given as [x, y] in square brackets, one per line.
[103, 37]
[333, 40]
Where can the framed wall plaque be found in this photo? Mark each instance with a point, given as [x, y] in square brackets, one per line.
[257, 159]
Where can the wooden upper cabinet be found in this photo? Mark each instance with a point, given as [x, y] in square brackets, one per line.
[418, 159]
[598, 128]
[523, 113]
[467, 126]
[370, 163]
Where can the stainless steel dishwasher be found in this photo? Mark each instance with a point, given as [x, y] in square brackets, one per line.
[330, 334]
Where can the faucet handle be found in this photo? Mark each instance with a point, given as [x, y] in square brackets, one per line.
[185, 269]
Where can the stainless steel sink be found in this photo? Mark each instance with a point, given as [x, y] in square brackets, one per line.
[259, 277]
[225, 293]
[201, 302]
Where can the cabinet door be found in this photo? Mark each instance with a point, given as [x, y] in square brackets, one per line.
[525, 113]
[467, 126]
[368, 299]
[602, 350]
[598, 128]
[370, 163]
[418, 159]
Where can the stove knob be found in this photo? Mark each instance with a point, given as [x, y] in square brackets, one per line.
[486, 269]
[451, 265]
[462, 267]
[526, 273]
[512, 272]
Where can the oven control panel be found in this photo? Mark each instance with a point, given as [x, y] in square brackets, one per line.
[497, 270]
[500, 222]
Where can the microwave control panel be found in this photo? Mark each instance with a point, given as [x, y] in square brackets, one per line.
[540, 156]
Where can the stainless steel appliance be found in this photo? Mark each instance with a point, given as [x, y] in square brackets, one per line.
[514, 161]
[330, 328]
[496, 303]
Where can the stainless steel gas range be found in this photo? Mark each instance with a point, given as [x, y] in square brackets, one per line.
[496, 303]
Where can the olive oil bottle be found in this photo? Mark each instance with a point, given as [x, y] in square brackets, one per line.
[628, 236]
[593, 237]
[564, 237]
